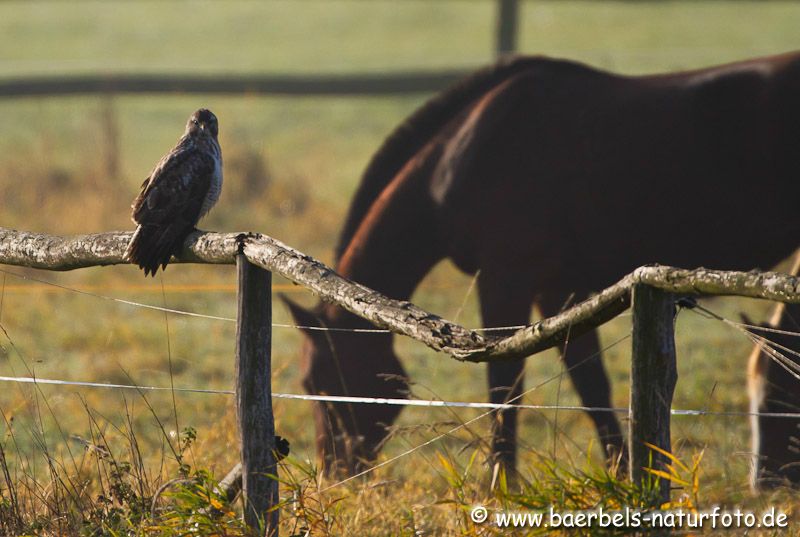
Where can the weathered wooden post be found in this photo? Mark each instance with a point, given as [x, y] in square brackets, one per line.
[507, 17]
[254, 396]
[653, 377]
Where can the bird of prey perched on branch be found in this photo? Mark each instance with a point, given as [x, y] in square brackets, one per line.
[180, 190]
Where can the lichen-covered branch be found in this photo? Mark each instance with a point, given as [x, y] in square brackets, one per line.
[755, 284]
[50, 252]
[399, 316]
[68, 253]
[554, 331]
[613, 300]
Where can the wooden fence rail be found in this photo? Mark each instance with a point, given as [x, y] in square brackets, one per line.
[397, 83]
[51, 252]
[345, 84]
[653, 373]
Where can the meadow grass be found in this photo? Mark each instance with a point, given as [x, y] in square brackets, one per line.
[73, 164]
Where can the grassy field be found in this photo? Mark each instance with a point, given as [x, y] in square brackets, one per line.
[71, 165]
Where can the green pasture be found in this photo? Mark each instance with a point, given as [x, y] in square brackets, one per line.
[73, 165]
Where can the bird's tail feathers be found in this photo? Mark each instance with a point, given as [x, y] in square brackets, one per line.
[153, 246]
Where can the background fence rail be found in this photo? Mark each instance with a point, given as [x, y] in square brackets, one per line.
[398, 83]
[350, 84]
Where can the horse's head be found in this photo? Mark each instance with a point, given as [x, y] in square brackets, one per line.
[341, 362]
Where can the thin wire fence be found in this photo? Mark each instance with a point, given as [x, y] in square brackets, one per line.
[774, 350]
[219, 318]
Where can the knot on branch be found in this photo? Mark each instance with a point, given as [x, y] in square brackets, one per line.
[241, 238]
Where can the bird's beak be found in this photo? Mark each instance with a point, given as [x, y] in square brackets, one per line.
[202, 126]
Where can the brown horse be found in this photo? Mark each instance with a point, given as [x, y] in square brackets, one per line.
[773, 386]
[553, 180]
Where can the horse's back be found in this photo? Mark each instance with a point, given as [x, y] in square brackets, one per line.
[587, 165]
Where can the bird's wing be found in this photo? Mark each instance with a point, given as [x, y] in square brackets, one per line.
[176, 187]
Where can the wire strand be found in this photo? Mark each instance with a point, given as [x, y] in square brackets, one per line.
[219, 318]
[467, 423]
[428, 403]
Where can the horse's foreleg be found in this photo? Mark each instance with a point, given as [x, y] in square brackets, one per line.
[504, 307]
[505, 386]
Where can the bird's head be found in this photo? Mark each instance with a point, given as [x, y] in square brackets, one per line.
[203, 121]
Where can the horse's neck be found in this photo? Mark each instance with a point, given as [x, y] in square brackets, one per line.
[397, 242]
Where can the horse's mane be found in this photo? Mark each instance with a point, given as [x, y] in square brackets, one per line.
[416, 131]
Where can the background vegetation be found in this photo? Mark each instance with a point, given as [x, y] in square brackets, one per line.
[73, 164]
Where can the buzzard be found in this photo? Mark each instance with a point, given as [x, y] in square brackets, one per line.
[180, 190]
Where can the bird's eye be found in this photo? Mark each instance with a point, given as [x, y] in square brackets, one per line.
[195, 122]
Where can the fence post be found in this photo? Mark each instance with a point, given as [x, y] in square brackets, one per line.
[653, 377]
[254, 396]
[507, 17]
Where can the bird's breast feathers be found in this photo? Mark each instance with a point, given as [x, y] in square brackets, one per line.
[215, 187]
[187, 181]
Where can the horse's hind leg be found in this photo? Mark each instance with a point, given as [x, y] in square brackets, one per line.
[503, 305]
[583, 360]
